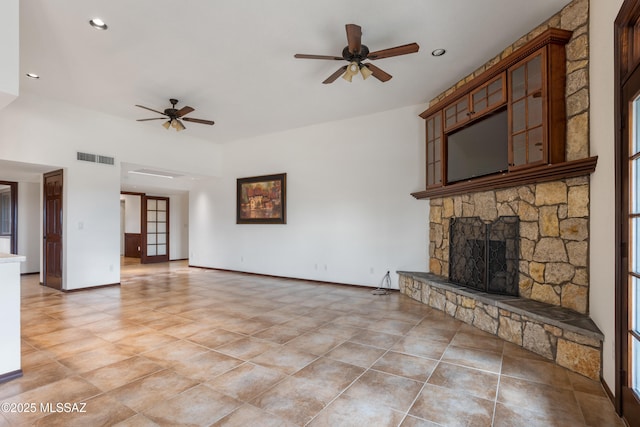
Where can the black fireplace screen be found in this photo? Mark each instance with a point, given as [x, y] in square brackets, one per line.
[485, 256]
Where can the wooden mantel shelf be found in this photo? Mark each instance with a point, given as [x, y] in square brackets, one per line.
[551, 172]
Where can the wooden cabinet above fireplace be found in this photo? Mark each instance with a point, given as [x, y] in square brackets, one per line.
[505, 126]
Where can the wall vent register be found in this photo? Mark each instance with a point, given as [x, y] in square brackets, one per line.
[95, 158]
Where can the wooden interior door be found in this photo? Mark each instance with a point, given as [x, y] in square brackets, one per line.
[52, 216]
[155, 229]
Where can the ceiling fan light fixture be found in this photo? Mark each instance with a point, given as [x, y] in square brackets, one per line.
[365, 71]
[167, 124]
[178, 125]
[351, 71]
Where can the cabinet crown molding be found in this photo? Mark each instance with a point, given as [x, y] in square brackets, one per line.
[550, 36]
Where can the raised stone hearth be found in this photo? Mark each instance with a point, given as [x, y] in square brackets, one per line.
[564, 336]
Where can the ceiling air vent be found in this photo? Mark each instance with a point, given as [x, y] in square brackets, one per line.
[86, 157]
[106, 160]
[95, 158]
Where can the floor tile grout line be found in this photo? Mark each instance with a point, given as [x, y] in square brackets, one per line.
[345, 389]
[361, 312]
[426, 381]
[361, 375]
[495, 401]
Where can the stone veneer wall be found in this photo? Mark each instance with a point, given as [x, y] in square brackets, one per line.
[554, 216]
[554, 225]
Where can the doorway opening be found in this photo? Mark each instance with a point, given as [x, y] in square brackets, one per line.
[145, 228]
[8, 217]
[131, 227]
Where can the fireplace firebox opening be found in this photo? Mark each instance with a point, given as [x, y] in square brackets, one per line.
[485, 256]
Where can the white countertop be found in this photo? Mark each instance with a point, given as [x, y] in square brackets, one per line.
[4, 258]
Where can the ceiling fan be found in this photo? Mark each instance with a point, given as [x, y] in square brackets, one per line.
[355, 52]
[174, 116]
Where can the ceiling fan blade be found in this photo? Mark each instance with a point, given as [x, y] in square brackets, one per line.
[378, 73]
[157, 118]
[184, 110]
[394, 51]
[354, 36]
[332, 78]
[305, 56]
[201, 121]
[151, 109]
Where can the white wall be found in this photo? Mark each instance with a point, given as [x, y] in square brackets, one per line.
[29, 209]
[350, 216]
[42, 131]
[179, 226]
[132, 207]
[9, 51]
[10, 315]
[5, 244]
[602, 246]
[91, 220]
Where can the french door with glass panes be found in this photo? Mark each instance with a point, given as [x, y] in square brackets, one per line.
[630, 260]
[155, 229]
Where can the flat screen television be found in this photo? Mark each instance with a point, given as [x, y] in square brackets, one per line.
[479, 149]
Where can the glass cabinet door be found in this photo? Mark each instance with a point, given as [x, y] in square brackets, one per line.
[489, 96]
[456, 113]
[526, 99]
[434, 150]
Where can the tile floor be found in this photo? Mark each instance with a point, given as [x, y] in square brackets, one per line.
[183, 346]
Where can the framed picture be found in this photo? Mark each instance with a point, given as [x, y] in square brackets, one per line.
[262, 199]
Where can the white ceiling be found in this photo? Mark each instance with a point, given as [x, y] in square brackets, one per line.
[23, 172]
[233, 60]
[179, 183]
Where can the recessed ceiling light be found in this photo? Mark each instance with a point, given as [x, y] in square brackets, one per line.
[33, 76]
[98, 23]
[438, 52]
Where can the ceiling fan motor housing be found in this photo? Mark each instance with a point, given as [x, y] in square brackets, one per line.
[171, 112]
[355, 56]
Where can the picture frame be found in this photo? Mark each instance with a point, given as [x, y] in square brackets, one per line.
[262, 199]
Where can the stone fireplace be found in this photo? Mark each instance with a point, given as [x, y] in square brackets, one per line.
[553, 236]
[539, 297]
[485, 256]
[549, 313]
